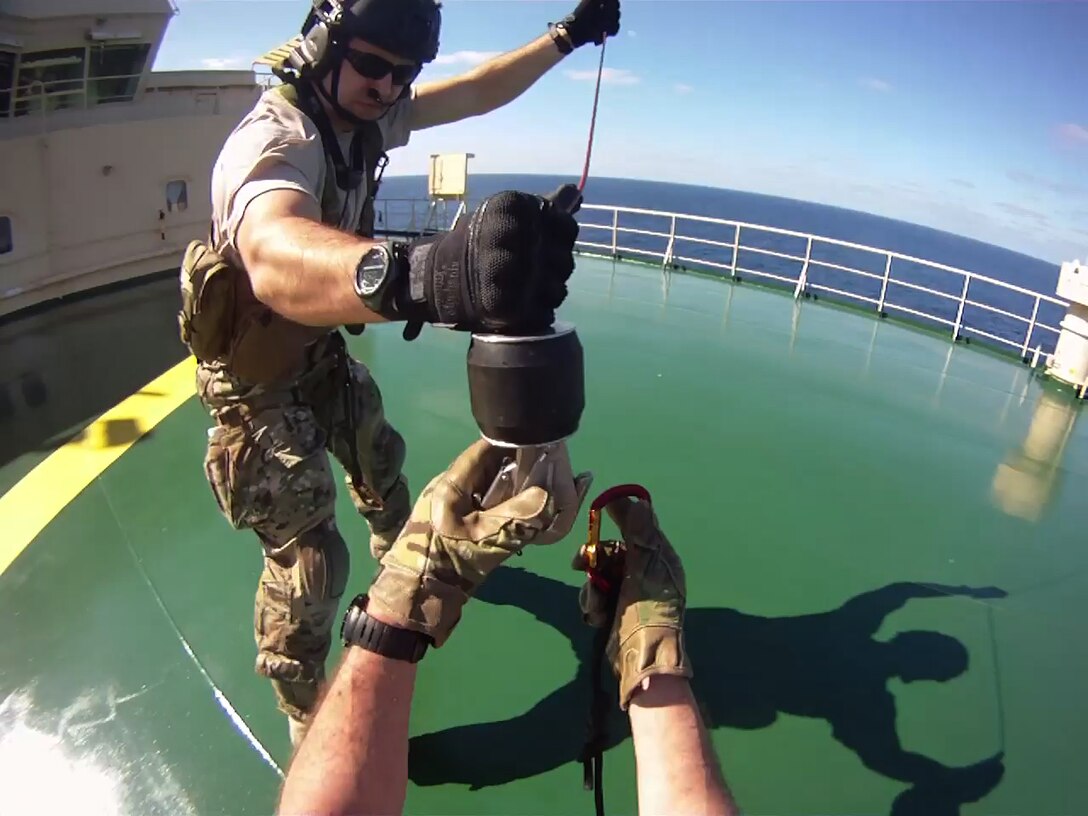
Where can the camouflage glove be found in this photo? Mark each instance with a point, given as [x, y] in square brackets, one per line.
[448, 547]
[647, 635]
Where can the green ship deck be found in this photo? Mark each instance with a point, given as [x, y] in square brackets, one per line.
[829, 479]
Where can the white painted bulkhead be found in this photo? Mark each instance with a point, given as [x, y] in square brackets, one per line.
[104, 164]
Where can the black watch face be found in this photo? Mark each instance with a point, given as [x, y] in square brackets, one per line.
[373, 268]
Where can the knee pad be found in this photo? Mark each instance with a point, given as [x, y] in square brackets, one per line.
[323, 563]
[296, 602]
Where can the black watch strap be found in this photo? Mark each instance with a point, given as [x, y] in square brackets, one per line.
[359, 629]
[561, 38]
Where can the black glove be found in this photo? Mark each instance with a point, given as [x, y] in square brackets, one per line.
[591, 21]
[504, 269]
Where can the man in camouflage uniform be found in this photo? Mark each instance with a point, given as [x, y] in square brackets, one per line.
[291, 257]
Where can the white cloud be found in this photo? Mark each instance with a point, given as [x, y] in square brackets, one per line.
[465, 57]
[1073, 132]
[1039, 182]
[610, 76]
[223, 63]
[632, 33]
[874, 84]
[681, 88]
[1017, 211]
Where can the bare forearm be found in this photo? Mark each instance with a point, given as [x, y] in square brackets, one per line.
[355, 757]
[504, 78]
[677, 770]
[304, 271]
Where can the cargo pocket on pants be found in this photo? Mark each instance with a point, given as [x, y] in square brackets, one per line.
[275, 626]
[227, 448]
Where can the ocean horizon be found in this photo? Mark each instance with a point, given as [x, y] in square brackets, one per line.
[490, 183]
[840, 223]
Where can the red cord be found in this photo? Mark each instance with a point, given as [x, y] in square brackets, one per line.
[593, 119]
[634, 491]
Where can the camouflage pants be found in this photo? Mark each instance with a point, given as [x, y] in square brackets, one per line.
[268, 467]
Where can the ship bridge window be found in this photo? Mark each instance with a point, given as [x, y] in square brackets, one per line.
[6, 242]
[115, 72]
[7, 81]
[177, 196]
[50, 80]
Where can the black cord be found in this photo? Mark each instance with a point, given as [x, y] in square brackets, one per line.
[349, 412]
[593, 750]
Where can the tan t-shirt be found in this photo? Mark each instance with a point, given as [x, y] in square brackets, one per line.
[278, 147]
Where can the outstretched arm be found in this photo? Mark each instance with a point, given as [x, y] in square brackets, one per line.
[354, 758]
[677, 769]
[551, 602]
[299, 267]
[870, 608]
[493, 84]
[504, 78]
[868, 728]
[306, 271]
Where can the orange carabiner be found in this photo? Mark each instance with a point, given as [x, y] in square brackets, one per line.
[604, 560]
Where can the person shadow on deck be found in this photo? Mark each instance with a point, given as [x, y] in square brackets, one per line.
[748, 668]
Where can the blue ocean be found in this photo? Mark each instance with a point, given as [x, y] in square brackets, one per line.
[800, 216]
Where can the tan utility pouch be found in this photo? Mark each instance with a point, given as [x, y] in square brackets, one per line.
[268, 348]
[220, 319]
[206, 317]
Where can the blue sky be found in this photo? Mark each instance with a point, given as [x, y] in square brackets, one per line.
[970, 117]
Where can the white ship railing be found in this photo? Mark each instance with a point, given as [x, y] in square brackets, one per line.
[414, 216]
[80, 93]
[880, 287]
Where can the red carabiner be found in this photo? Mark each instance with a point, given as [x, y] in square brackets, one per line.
[604, 560]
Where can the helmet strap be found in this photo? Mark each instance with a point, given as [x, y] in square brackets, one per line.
[335, 64]
[347, 177]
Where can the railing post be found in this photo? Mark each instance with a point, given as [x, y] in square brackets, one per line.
[963, 302]
[884, 284]
[615, 231]
[802, 279]
[1031, 328]
[461, 210]
[736, 251]
[667, 261]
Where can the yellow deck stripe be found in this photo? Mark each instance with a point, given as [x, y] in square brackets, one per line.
[40, 496]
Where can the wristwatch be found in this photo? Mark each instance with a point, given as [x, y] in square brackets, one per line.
[375, 276]
[359, 629]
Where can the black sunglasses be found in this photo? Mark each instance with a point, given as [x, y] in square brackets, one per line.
[372, 66]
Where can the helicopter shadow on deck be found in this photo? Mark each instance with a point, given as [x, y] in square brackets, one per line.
[747, 669]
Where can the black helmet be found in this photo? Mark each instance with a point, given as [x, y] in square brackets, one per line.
[407, 28]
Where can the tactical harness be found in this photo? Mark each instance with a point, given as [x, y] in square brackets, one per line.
[222, 322]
